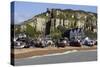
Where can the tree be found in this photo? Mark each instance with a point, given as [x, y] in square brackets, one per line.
[56, 34]
[30, 31]
[61, 28]
[17, 30]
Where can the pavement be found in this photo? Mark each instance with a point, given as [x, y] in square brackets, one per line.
[29, 52]
[74, 56]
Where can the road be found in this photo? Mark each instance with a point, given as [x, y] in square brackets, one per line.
[79, 56]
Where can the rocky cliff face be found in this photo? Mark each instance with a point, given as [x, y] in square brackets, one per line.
[67, 18]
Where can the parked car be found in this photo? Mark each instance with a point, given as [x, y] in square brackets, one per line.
[40, 43]
[75, 42]
[95, 43]
[88, 42]
[61, 43]
[19, 44]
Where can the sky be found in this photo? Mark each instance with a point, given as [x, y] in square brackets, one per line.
[26, 10]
